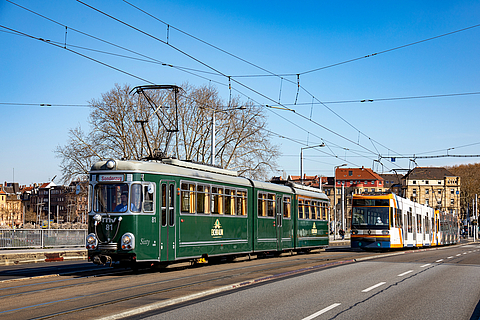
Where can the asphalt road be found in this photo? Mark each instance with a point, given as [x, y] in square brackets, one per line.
[337, 283]
[435, 284]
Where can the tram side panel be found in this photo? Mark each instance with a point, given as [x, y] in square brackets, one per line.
[311, 224]
[213, 219]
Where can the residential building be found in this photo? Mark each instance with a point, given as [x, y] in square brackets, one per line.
[392, 182]
[349, 181]
[11, 210]
[434, 187]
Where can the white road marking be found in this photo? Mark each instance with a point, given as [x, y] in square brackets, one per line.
[464, 253]
[425, 265]
[373, 287]
[459, 254]
[402, 274]
[439, 260]
[449, 257]
[316, 314]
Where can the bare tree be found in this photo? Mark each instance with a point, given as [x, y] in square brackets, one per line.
[242, 143]
[470, 183]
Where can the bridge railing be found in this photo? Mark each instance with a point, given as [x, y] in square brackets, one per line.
[41, 238]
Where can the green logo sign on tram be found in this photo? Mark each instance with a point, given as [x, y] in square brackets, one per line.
[217, 230]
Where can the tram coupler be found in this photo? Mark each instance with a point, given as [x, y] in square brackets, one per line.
[102, 260]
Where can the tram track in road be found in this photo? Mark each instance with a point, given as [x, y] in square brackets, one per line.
[112, 292]
[174, 282]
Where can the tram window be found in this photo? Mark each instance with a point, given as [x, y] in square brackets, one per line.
[111, 197]
[171, 203]
[313, 210]
[261, 205]
[271, 205]
[398, 218]
[89, 197]
[229, 201]
[148, 196]
[164, 204]
[306, 210]
[217, 200]
[409, 222]
[390, 214]
[136, 197]
[203, 199]
[287, 206]
[241, 203]
[419, 223]
[187, 198]
[300, 209]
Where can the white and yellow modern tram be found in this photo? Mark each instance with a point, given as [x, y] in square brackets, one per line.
[382, 221]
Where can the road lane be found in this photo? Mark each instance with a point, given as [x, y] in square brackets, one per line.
[430, 286]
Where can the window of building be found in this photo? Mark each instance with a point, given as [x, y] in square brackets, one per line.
[426, 202]
[452, 191]
[414, 182]
[426, 181]
[350, 173]
[439, 182]
[426, 191]
[452, 201]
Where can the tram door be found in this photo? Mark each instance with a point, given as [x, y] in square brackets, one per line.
[279, 220]
[167, 219]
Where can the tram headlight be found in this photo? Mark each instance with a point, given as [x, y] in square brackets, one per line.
[97, 218]
[386, 232]
[111, 164]
[91, 241]
[128, 241]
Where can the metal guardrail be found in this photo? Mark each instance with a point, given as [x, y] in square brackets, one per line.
[42, 238]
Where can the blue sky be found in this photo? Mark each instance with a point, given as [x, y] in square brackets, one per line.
[282, 37]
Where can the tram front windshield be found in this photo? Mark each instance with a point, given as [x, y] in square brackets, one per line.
[371, 217]
[111, 197]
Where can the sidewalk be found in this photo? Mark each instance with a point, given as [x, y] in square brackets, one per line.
[338, 241]
[22, 256]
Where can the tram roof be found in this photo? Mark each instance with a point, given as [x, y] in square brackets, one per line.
[192, 170]
[172, 167]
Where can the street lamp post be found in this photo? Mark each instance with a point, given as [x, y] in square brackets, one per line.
[301, 159]
[335, 198]
[212, 149]
[49, 188]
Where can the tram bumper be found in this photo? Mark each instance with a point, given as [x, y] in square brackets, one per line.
[370, 243]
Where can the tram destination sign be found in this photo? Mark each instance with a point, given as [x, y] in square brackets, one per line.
[111, 178]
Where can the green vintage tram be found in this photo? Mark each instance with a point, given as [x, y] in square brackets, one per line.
[163, 211]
